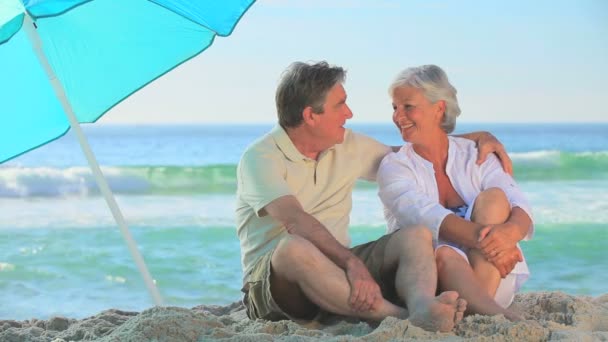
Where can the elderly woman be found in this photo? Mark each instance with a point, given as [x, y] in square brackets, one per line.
[476, 213]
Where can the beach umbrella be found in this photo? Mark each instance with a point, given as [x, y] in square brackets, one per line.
[65, 62]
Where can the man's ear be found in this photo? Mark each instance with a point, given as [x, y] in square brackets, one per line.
[309, 117]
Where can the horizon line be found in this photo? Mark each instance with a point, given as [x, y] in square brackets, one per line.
[249, 123]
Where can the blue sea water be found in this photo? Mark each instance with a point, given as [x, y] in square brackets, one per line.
[62, 254]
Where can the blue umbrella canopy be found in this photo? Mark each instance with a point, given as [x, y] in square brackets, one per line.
[65, 62]
[100, 51]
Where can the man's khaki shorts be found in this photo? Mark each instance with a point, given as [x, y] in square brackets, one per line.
[258, 298]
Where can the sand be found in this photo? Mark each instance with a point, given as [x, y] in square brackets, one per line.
[550, 316]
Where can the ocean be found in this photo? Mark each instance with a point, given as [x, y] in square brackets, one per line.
[62, 254]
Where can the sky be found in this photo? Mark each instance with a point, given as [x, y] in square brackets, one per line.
[511, 61]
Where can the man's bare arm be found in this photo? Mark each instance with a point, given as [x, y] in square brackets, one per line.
[364, 290]
[290, 213]
[486, 144]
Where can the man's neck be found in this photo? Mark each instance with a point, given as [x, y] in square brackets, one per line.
[304, 142]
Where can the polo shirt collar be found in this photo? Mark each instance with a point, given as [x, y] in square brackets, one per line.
[286, 145]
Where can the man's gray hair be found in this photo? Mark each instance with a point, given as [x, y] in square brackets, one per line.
[303, 85]
[434, 84]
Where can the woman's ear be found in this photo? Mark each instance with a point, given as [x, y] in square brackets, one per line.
[441, 107]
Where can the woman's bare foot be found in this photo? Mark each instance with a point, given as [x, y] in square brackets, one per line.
[513, 316]
[438, 314]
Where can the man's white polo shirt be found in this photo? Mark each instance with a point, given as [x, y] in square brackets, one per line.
[272, 167]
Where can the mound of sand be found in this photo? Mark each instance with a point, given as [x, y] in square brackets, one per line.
[549, 316]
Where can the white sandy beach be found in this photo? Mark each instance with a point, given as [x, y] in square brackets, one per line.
[551, 316]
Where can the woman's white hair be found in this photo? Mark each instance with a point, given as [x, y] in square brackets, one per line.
[435, 86]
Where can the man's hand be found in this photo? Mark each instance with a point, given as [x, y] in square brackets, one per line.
[497, 238]
[486, 144]
[365, 294]
[506, 260]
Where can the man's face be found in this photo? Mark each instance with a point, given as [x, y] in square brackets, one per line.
[335, 113]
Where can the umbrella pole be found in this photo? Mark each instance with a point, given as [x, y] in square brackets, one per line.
[30, 27]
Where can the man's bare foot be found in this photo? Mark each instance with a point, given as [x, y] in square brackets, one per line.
[438, 314]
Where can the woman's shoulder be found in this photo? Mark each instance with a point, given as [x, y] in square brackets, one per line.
[403, 157]
[462, 144]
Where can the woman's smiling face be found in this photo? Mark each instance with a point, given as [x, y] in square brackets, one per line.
[414, 114]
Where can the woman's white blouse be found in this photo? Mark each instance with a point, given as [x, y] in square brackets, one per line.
[408, 189]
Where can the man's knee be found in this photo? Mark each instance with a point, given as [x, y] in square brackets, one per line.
[415, 233]
[406, 240]
[294, 252]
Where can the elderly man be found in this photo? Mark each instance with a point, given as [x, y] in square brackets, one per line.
[294, 199]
